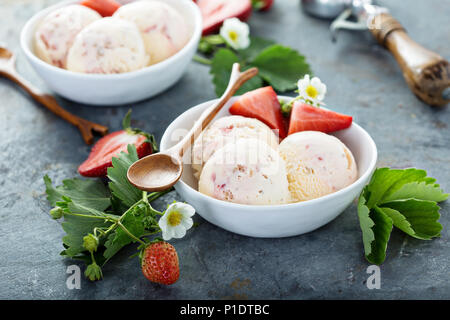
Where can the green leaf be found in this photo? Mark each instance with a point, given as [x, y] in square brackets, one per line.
[133, 221]
[421, 215]
[256, 46]
[405, 199]
[76, 227]
[386, 181]
[382, 230]
[376, 228]
[417, 190]
[88, 193]
[221, 66]
[119, 185]
[281, 67]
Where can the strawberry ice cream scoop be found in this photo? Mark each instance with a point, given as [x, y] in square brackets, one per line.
[163, 29]
[247, 172]
[317, 164]
[109, 45]
[56, 32]
[228, 130]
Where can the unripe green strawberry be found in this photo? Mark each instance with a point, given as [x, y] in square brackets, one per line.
[90, 243]
[160, 263]
[56, 213]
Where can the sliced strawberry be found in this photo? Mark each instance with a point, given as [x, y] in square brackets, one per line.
[110, 146]
[308, 118]
[105, 8]
[262, 5]
[263, 105]
[215, 12]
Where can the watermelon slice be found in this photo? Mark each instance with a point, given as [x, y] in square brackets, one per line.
[305, 117]
[215, 12]
[261, 104]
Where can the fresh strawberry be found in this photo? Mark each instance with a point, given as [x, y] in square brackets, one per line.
[105, 8]
[263, 105]
[160, 263]
[111, 145]
[262, 5]
[215, 12]
[305, 117]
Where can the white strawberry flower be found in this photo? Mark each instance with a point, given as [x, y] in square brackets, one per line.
[235, 33]
[312, 90]
[176, 220]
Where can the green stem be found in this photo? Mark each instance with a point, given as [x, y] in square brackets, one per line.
[155, 195]
[130, 234]
[201, 60]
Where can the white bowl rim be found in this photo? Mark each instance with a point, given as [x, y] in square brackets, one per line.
[196, 33]
[330, 196]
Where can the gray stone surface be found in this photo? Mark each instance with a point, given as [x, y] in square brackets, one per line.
[363, 80]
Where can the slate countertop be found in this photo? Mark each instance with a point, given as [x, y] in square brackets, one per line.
[363, 80]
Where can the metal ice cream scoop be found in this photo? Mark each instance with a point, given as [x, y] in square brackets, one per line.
[426, 72]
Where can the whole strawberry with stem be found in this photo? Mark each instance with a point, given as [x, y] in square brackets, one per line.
[160, 263]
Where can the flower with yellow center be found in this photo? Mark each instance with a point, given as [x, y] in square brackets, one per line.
[176, 220]
[312, 90]
[235, 33]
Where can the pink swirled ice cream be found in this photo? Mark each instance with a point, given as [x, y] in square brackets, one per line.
[109, 45]
[163, 29]
[227, 130]
[56, 32]
[246, 172]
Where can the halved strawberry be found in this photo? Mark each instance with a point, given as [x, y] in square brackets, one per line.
[105, 8]
[263, 105]
[215, 12]
[111, 145]
[305, 117]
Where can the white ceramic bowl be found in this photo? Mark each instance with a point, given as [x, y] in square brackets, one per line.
[115, 89]
[272, 221]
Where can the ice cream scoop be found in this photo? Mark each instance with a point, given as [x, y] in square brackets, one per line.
[164, 30]
[228, 130]
[246, 172]
[56, 32]
[109, 45]
[317, 164]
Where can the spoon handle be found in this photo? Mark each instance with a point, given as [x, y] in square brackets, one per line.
[237, 79]
[84, 126]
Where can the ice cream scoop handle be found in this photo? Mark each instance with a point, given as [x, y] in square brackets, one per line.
[426, 72]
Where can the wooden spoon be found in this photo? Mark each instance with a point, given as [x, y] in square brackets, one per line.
[160, 171]
[8, 70]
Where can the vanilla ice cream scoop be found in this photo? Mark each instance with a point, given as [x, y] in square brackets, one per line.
[317, 164]
[56, 32]
[247, 172]
[228, 130]
[163, 29]
[108, 45]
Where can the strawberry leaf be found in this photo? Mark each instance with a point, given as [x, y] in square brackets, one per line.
[91, 194]
[281, 67]
[420, 215]
[256, 46]
[406, 199]
[221, 66]
[119, 185]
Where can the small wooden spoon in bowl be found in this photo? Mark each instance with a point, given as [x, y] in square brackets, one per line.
[162, 170]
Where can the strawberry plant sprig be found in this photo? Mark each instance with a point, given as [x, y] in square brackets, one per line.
[99, 220]
[279, 66]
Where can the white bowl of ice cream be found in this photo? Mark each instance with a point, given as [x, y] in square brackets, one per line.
[114, 60]
[274, 220]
